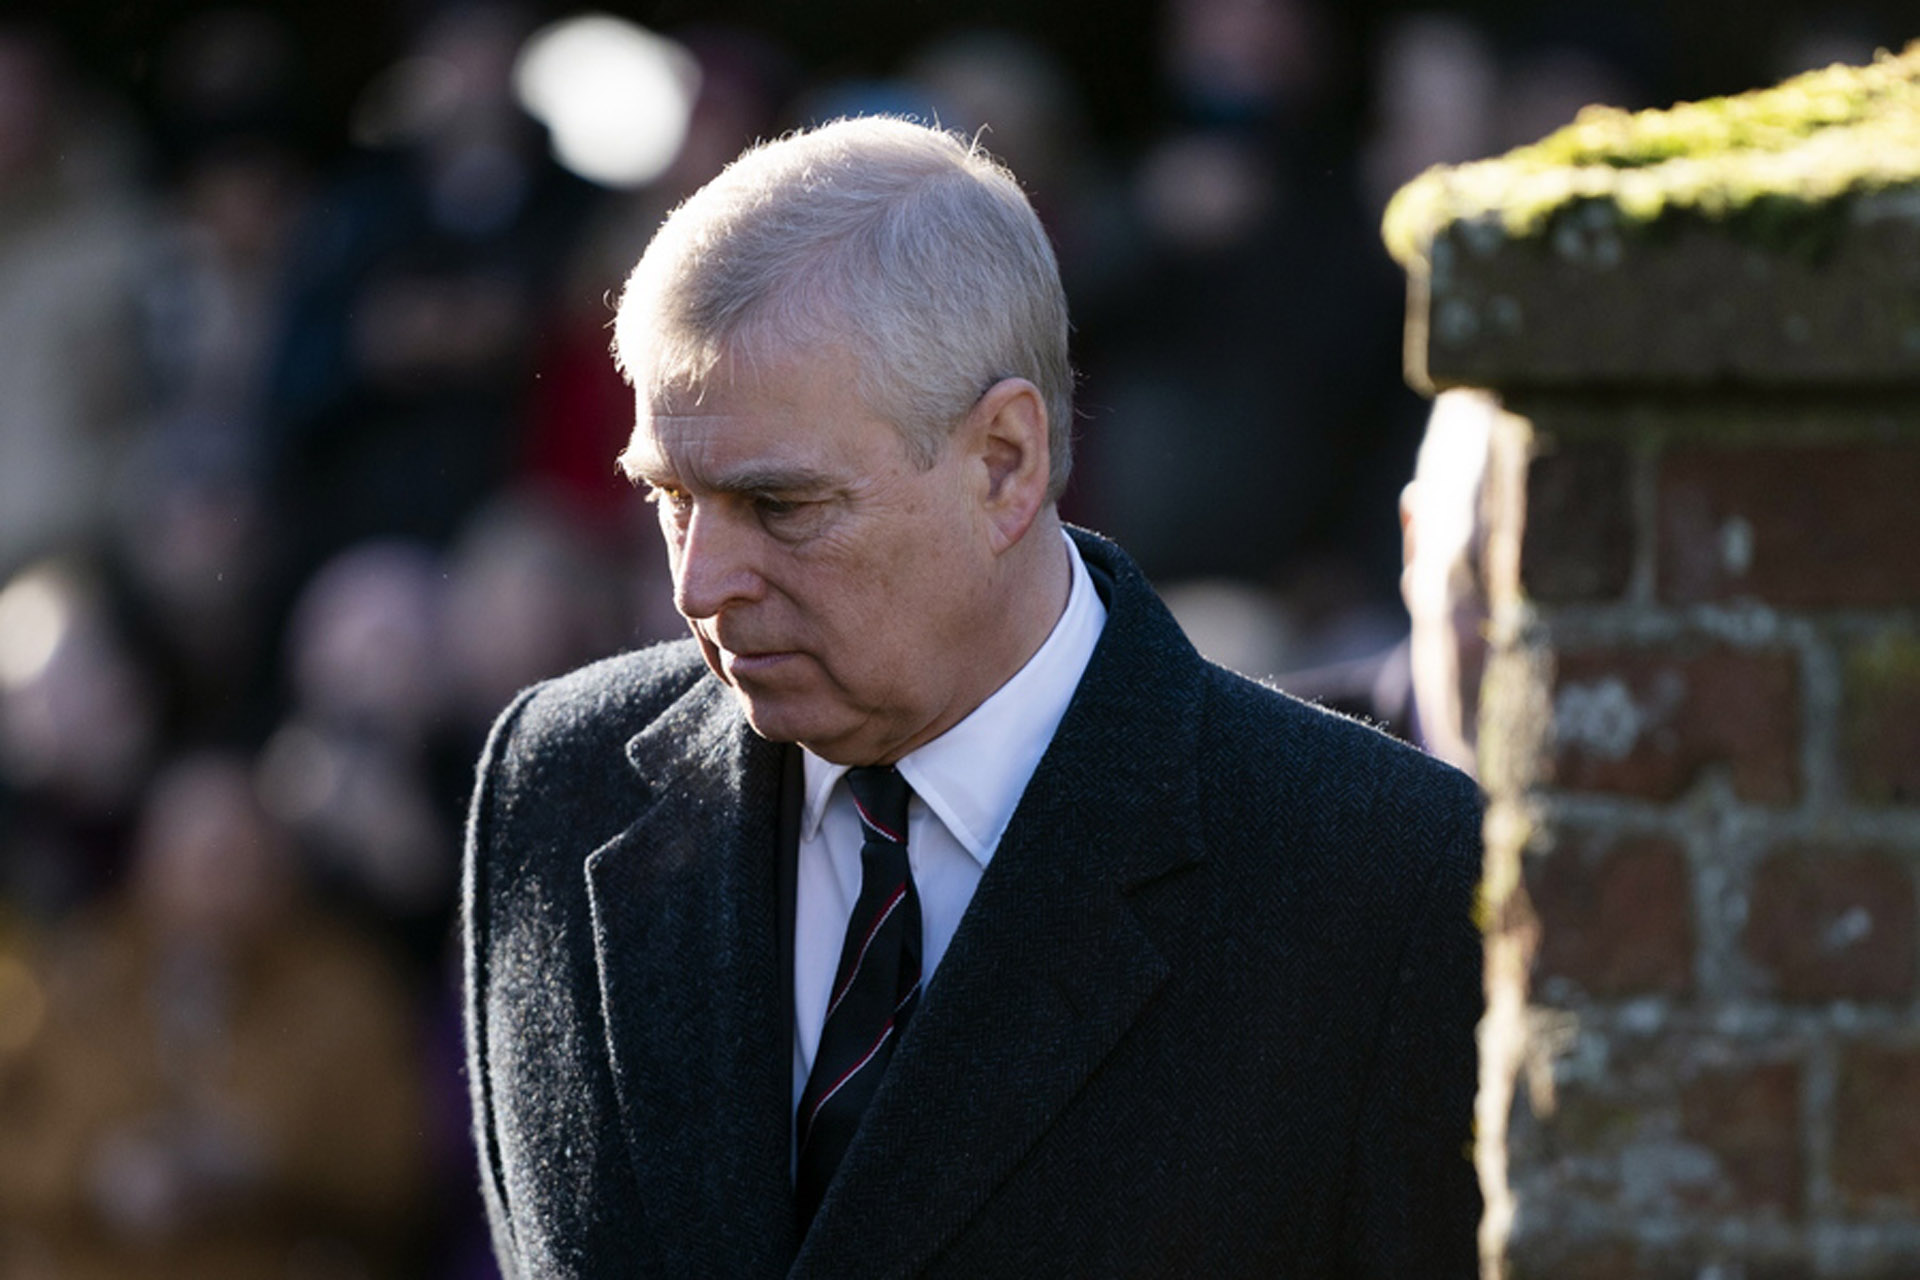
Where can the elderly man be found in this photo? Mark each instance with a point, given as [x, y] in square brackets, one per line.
[936, 910]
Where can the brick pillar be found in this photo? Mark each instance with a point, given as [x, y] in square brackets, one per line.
[1700, 726]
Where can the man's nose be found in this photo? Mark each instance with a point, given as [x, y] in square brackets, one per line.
[714, 567]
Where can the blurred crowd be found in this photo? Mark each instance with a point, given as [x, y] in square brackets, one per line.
[306, 467]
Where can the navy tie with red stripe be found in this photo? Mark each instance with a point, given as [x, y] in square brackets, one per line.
[875, 989]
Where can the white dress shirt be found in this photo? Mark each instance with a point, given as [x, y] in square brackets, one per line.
[966, 784]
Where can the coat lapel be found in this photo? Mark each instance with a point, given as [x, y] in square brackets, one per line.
[686, 924]
[1049, 969]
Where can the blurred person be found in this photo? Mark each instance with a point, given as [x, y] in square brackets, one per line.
[348, 771]
[527, 598]
[194, 524]
[400, 385]
[237, 187]
[1444, 582]
[191, 525]
[363, 644]
[1242, 384]
[195, 546]
[369, 770]
[1426, 688]
[220, 1084]
[82, 715]
[73, 227]
[1436, 86]
[934, 908]
[530, 594]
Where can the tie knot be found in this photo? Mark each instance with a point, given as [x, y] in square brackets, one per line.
[880, 794]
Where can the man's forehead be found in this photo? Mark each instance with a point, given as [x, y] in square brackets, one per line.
[743, 384]
[734, 418]
[730, 446]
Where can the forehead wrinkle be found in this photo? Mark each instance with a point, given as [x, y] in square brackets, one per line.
[745, 476]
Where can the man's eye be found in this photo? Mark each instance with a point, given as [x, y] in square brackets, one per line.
[790, 519]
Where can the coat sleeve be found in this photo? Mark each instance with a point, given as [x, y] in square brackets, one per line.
[476, 915]
[1418, 1203]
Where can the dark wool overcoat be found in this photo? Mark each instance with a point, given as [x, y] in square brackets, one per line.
[1210, 1013]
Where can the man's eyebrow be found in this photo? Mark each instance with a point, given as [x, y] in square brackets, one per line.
[770, 478]
[746, 480]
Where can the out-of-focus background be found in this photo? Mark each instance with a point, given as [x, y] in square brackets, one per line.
[306, 440]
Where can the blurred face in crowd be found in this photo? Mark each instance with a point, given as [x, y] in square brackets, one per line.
[210, 865]
[1449, 653]
[845, 594]
[1446, 601]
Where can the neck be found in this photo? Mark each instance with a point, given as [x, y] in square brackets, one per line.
[1030, 592]
[1039, 578]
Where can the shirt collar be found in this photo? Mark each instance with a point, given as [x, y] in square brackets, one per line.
[972, 776]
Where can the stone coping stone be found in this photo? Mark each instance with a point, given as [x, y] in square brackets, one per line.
[1769, 239]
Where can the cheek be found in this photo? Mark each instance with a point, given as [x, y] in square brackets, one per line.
[862, 617]
[940, 612]
[890, 594]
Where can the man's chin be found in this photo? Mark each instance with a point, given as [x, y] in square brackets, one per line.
[777, 719]
[828, 736]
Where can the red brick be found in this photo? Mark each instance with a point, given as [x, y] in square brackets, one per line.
[1578, 540]
[1749, 1118]
[1881, 719]
[1832, 925]
[1616, 918]
[1876, 1125]
[1803, 527]
[1649, 723]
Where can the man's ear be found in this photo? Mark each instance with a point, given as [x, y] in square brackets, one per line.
[1007, 430]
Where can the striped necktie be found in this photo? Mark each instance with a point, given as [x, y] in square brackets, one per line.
[875, 988]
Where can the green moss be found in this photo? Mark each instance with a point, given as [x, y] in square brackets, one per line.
[1774, 160]
[1881, 719]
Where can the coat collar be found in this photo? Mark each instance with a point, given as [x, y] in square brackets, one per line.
[685, 908]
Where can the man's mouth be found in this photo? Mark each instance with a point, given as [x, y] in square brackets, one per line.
[748, 664]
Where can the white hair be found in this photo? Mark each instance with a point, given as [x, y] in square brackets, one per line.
[907, 246]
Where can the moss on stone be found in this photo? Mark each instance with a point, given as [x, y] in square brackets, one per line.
[1878, 718]
[1774, 160]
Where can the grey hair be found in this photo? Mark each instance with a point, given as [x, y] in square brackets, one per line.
[908, 246]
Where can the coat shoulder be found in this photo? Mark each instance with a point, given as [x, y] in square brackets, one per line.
[558, 751]
[1336, 782]
[1284, 733]
[604, 702]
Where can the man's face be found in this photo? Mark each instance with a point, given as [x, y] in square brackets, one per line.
[837, 588]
